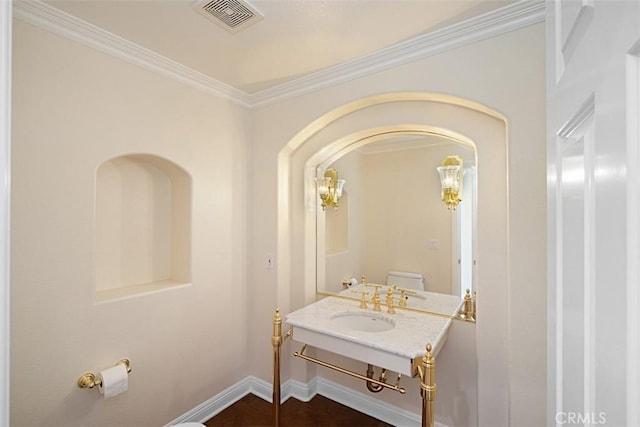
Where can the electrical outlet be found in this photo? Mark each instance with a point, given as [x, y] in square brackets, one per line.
[434, 244]
[270, 261]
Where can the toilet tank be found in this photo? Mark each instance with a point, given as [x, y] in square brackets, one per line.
[406, 280]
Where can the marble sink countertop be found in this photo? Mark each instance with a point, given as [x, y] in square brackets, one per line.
[412, 331]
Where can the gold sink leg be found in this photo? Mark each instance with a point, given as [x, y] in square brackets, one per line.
[428, 387]
[276, 342]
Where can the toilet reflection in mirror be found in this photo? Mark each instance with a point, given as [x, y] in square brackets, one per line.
[392, 219]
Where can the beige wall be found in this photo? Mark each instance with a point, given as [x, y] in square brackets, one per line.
[75, 108]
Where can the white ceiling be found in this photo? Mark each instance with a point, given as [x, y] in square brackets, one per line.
[295, 38]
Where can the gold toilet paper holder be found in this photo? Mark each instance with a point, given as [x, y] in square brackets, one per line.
[90, 380]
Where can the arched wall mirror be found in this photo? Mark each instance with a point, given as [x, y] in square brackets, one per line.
[390, 217]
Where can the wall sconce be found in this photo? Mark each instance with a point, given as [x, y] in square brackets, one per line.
[330, 188]
[451, 180]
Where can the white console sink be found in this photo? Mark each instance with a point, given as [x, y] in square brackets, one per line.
[390, 341]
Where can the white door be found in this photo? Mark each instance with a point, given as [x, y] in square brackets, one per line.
[593, 116]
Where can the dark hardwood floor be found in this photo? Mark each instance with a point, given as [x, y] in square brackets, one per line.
[319, 411]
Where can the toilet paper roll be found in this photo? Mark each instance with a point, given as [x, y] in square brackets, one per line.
[353, 282]
[114, 381]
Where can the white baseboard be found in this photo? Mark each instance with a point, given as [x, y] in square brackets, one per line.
[216, 404]
[304, 392]
[291, 388]
[250, 384]
[369, 405]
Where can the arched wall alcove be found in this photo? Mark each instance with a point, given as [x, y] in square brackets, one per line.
[384, 116]
[142, 226]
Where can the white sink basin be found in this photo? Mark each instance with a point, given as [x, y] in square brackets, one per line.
[365, 322]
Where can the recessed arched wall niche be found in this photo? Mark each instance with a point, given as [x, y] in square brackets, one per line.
[142, 226]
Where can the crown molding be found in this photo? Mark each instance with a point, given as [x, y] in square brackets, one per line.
[481, 27]
[509, 18]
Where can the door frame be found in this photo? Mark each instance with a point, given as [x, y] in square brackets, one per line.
[633, 234]
[5, 200]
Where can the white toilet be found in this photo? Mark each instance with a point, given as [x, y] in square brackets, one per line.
[406, 280]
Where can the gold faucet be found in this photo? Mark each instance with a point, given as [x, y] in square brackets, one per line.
[390, 308]
[363, 298]
[375, 299]
[403, 296]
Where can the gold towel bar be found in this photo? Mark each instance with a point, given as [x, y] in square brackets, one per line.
[90, 380]
[346, 371]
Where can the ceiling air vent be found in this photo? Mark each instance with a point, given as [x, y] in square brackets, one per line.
[232, 15]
